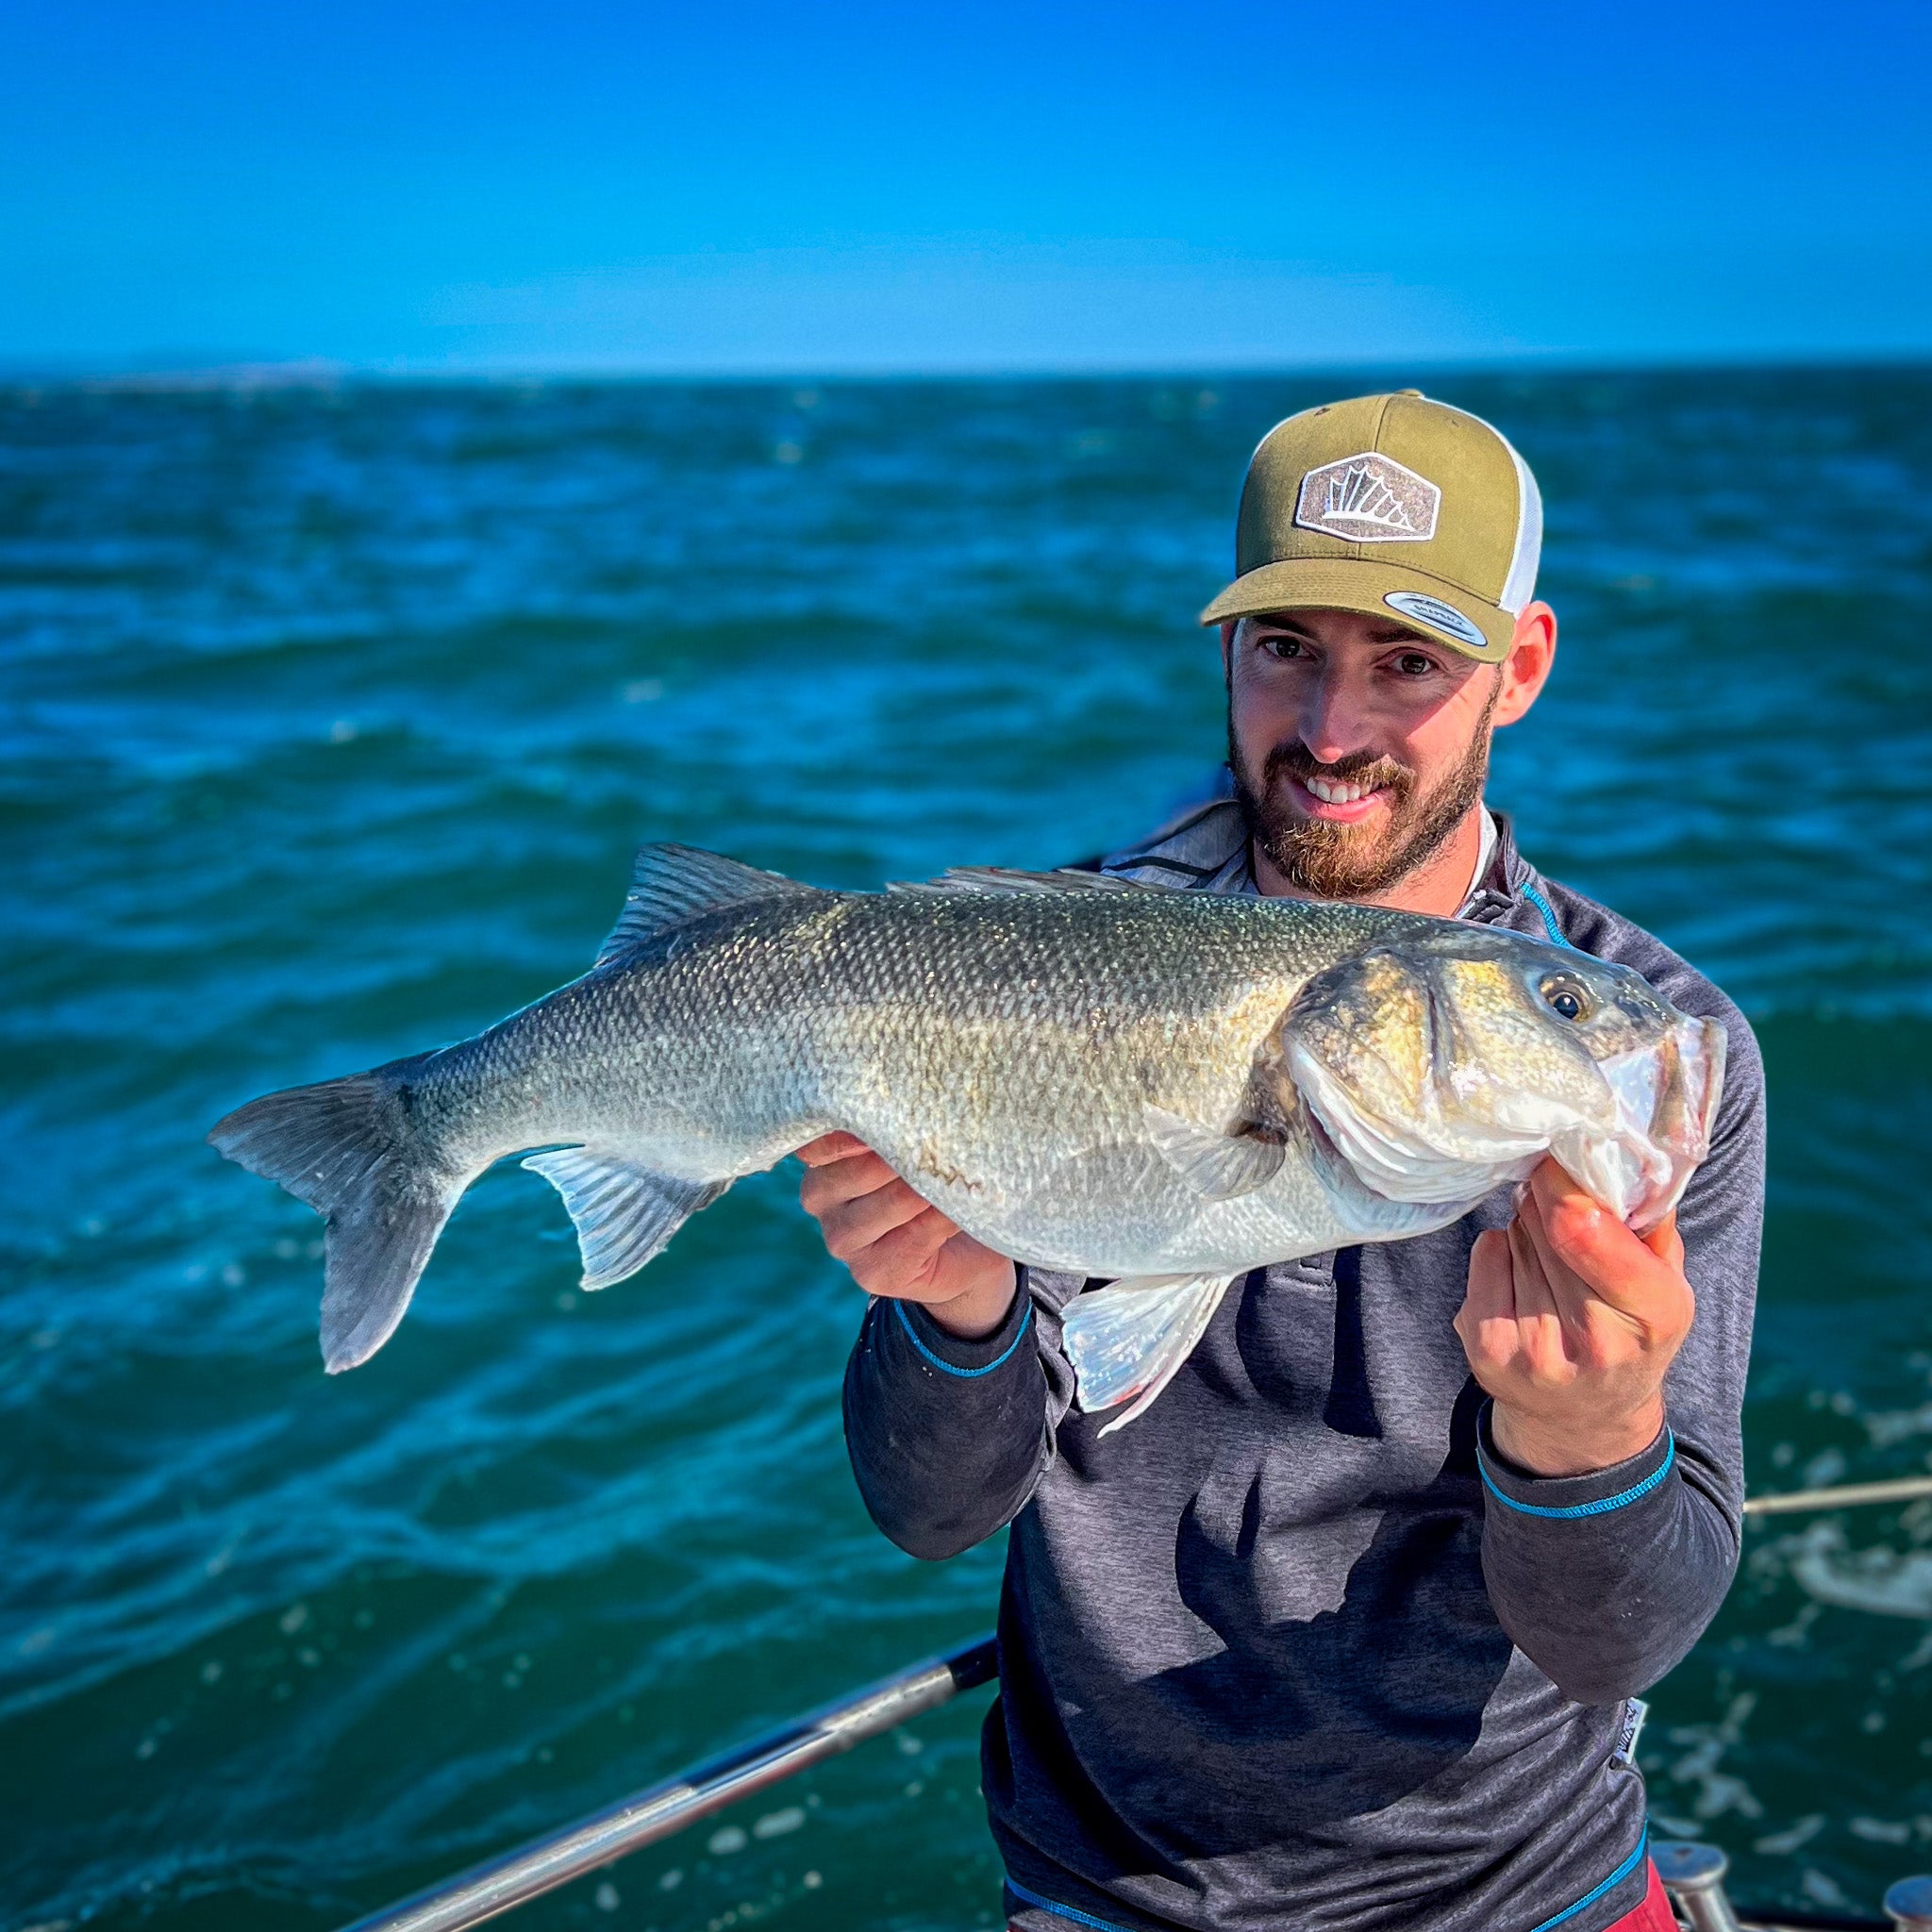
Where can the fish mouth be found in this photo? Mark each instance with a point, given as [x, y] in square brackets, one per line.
[1634, 1158]
[1666, 1096]
[1407, 1163]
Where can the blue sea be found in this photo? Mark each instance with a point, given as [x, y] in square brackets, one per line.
[328, 720]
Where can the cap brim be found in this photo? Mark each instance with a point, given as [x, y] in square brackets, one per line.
[1371, 588]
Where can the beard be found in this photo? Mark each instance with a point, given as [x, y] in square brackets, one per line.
[1331, 861]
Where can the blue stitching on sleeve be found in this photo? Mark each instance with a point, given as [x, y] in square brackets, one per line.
[1550, 926]
[951, 1369]
[1619, 1500]
[1046, 1904]
[1590, 1898]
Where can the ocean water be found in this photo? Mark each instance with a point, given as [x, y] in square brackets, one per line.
[327, 721]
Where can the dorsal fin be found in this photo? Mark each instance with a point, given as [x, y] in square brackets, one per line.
[671, 885]
[994, 878]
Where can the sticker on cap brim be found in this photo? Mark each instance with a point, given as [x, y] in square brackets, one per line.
[1438, 616]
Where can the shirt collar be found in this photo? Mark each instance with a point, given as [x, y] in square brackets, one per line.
[1205, 850]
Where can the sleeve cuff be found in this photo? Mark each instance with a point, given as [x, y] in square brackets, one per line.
[1570, 1498]
[953, 1354]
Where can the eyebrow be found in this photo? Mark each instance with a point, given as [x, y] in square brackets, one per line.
[1390, 634]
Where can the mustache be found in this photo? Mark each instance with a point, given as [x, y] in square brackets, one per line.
[1294, 760]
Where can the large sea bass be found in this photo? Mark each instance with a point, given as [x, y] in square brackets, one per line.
[1161, 1087]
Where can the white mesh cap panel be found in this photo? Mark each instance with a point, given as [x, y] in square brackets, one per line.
[1519, 586]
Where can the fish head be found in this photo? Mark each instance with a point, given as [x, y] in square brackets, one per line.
[1443, 1065]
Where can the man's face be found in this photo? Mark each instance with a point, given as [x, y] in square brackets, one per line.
[1358, 746]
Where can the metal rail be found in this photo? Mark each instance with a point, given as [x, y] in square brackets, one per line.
[1900, 1489]
[660, 1810]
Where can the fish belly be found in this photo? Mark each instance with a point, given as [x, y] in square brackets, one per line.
[1125, 1212]
[1039, 1147]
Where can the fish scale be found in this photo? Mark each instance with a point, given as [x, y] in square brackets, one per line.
[1160, 1088]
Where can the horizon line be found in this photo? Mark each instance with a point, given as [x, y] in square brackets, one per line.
[312, 371]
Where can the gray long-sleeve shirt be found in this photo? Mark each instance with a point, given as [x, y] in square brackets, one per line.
[1299, 1647]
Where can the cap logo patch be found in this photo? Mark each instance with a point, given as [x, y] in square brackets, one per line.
[1437, 615]
[1369, 499]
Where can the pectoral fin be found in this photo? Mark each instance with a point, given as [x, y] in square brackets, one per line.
[1218, 1166]
[1127, 1341]
[623, 1211]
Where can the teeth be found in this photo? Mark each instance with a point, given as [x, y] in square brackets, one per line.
[1331, 792]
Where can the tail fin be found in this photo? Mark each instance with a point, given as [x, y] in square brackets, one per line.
[348, 1149]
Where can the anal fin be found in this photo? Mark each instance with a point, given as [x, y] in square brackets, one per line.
[623, 1211]
[1127, 1341]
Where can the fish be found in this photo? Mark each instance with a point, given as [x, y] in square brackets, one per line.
[1155, 1089]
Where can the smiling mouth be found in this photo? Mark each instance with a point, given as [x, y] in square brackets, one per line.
[1336, 801]
[1337, 790]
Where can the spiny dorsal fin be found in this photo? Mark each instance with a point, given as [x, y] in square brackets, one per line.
[994, 878]
[671, 885]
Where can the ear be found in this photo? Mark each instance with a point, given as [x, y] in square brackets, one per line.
[1524, 670]
[1227, 631]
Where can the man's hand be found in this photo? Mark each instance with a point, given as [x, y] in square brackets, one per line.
[898, 1245]
[1569, 1323]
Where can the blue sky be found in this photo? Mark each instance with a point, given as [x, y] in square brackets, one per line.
[801, 188]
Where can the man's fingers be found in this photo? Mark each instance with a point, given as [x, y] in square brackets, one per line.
[1571, 1226]
[1535, 1298]
[1597, 1316]
[844, 1179]
[1544, 1333]
[1570, 1293]
[1486, 1322]
[1492, 1286]
[1636, 1278]
[830, 1147]
[857, 1224]
[899, 1263]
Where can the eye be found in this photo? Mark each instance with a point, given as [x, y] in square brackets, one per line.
[1565, 998]
[1415, 664]
[1283, 647]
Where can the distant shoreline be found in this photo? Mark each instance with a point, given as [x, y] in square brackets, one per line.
[305, 373]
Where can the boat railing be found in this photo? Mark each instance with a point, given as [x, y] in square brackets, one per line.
[1693, 1874]
[660, 1810]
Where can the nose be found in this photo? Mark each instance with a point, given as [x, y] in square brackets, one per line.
[1335, 717]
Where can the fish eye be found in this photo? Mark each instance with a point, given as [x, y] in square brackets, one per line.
[1565, 998]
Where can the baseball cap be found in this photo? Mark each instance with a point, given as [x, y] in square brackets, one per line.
[1389, 506]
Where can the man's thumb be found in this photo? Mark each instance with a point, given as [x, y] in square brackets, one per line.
[1665, 1242]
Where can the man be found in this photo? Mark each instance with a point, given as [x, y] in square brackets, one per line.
[1342, 1632]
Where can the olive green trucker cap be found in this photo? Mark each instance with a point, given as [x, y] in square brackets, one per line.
[1389, 506]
